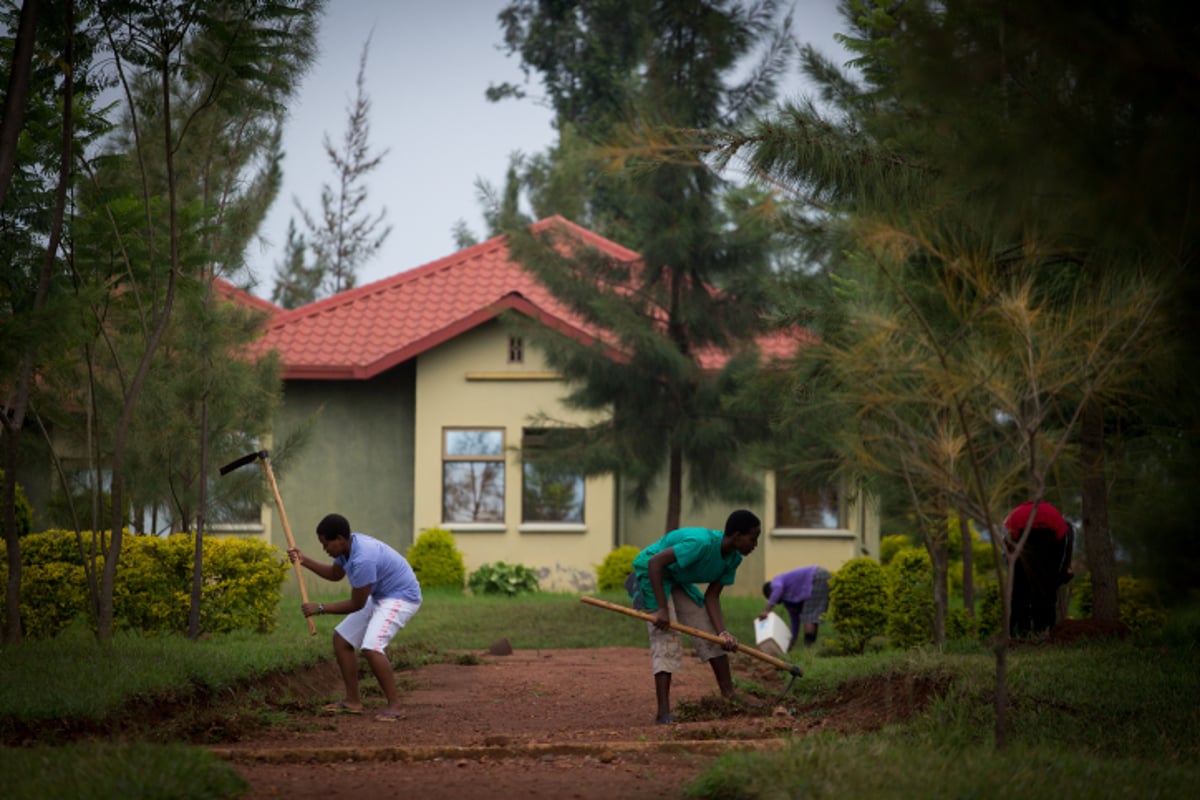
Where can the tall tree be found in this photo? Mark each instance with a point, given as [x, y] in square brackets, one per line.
[187, 73]
[346, 236]
[982, 171]
[32, 221]
[623, 78]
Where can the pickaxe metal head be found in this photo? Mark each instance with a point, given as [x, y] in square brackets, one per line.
[243, 461]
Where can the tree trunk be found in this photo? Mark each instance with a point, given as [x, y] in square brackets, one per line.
[12, 590]
[674, 488]
[14, 418]
[939, 553]
[968, 564]
[1101, 557]
[13, 115]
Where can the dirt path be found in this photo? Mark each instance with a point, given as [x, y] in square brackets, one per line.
[537, 724]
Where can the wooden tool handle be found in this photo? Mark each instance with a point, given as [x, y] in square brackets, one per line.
[690, 631]
[287, 531]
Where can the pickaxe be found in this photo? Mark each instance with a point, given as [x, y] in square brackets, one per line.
[287, 530]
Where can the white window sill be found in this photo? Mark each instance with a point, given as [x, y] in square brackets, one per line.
[813, 533]
[553, 527]
[237, 527]
[474, 527]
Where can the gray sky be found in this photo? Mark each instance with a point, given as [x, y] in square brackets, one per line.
[430, 62]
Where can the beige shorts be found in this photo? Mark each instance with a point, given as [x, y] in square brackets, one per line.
[666, 647]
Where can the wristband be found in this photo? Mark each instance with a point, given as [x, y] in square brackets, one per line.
[320, 608]
[725, 633]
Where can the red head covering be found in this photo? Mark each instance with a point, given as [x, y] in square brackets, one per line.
[1047, 517]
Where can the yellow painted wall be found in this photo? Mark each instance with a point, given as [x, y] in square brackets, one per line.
[468, 382]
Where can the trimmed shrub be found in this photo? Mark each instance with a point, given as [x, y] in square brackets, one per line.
[960, 625]
[889, 546]
[616, 567]
[910, 599]
[501, 578]
[242, 582]
[857, 604]
[436, 560]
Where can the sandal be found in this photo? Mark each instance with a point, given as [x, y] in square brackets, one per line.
[389, 716]
[340, 707]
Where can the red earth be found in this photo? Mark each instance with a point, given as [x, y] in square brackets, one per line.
[539, 724]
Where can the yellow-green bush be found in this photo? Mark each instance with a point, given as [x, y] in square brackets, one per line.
[241, 583]
[910, 598]
[617, 565]
[890, 545]
[436, 560]
[857, 604]
[1137, 602]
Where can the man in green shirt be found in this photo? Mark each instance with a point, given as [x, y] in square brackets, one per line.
[664, 581]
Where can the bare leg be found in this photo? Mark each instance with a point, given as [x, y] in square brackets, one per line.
[348, 665]
[720, 668]
[662, 690]
[810, 633]
[382, 669]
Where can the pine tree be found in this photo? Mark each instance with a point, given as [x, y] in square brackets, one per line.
[295, 282]
[345, 236]
[624, 78]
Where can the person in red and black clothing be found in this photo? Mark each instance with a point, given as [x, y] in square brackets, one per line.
[1043, 565]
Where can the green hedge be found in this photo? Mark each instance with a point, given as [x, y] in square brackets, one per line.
[616, 567]
[436, 560]
[857, 604]
[910, 598]
[241, 583]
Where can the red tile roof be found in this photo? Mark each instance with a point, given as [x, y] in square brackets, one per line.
[240, 296]
[364, 331]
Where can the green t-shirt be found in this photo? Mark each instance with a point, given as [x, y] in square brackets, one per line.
[698, 559]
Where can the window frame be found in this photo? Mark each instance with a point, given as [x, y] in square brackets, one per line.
[480, 483]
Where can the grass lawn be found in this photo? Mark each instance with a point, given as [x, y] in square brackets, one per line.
[1111, 719]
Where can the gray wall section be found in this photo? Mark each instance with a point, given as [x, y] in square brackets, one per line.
[359, 452]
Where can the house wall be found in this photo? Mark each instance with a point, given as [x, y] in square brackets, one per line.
[469, 382]
[356, 458]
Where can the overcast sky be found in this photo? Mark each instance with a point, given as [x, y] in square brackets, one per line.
[429, 64]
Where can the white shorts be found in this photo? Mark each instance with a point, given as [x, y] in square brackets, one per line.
[374, 625]
[666, 647]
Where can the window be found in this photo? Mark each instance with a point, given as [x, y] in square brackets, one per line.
[549, 493]
[516, 350]
[806, 506]
[473, 475]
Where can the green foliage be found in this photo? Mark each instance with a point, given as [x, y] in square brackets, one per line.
[24, 511]
[910, 599]
[502, 578]
[616, 567]
[990, 616]
[242, 582]
[889, 546]
[1138, 603]
[52, 595]
[436, 560]
[960, 625]
[857, 604]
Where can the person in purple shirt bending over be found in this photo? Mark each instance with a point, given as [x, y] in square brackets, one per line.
[384, 596]
[804, 592]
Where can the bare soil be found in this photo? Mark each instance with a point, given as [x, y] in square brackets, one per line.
[540, 724]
